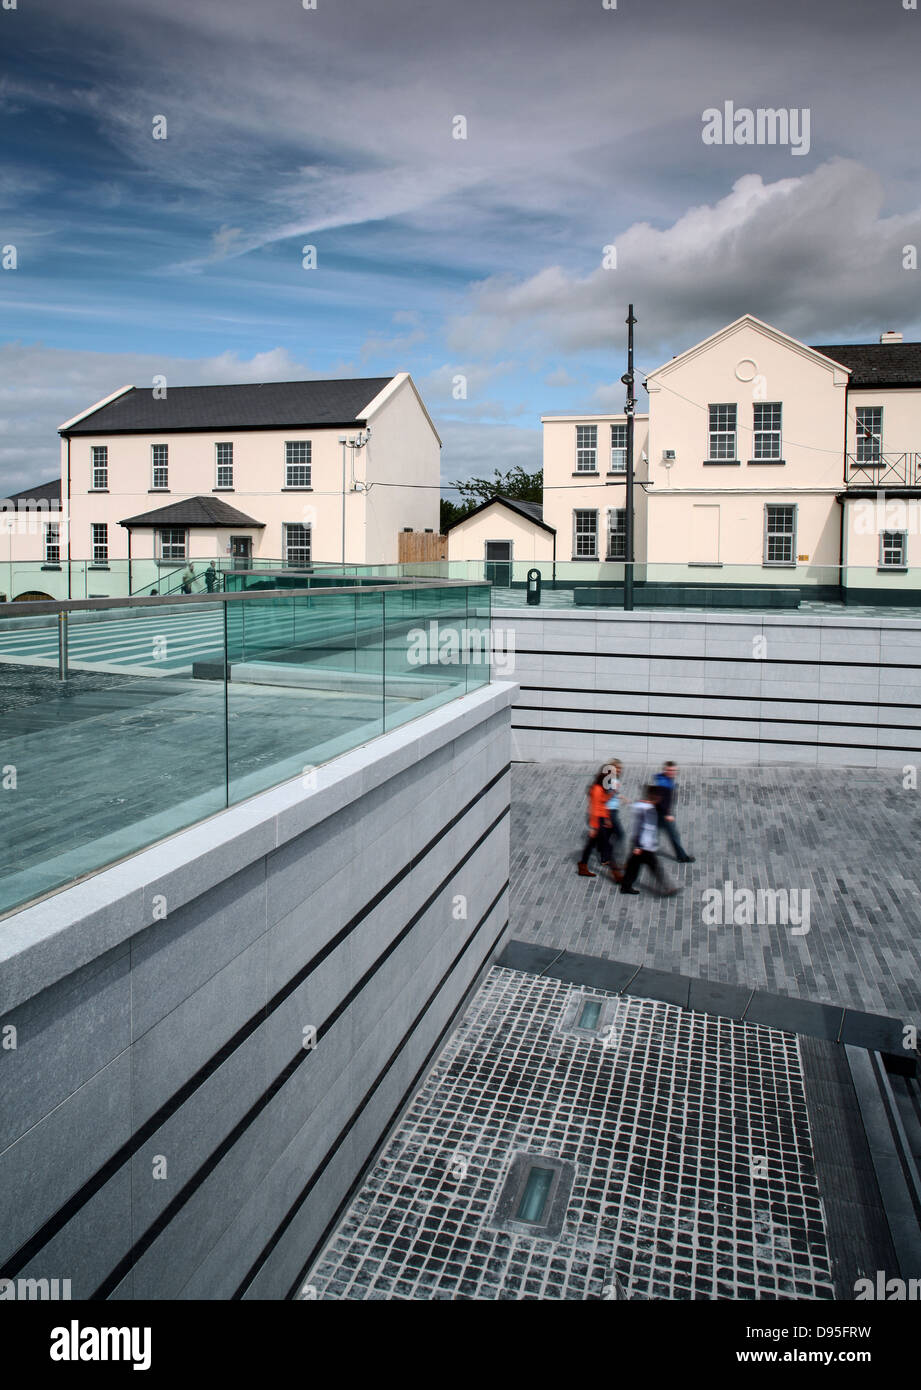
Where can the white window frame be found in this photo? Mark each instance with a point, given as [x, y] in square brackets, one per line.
[177, 557]
[722, 441]
[301, 526]
[52, 543]
[100, 467]
[578, 534]
[869, 448]
[619, 451]
[223, 466]
[586, 448]
[885, 544]
[617, 515]
[99, 530]
[767, 436]
[772, 534]
[159, 469]
[299, 469]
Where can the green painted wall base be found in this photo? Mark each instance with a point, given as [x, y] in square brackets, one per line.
[686, 596]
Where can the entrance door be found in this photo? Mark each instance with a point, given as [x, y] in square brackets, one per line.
[704, 547]
[241, 552]
[498, 566]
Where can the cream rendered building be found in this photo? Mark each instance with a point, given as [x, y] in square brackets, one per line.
[759, 463]
[882, 500]
[585, 462]
[505, 535]
[292, 472]
[755, 421]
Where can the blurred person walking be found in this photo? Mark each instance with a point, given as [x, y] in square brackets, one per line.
[666, 781]
[645, 846]
[599, 826]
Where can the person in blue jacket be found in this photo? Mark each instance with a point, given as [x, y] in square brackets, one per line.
[666, 781]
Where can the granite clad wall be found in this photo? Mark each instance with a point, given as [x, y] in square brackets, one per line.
[715, 688]
[165, 1132]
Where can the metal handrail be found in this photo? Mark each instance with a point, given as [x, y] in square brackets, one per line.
[9, 610]
[160, 578]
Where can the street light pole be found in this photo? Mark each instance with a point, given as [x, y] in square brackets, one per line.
[342, 441]
[629, 409]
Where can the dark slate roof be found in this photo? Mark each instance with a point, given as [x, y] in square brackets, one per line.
[534, 509]
[531, 511]
[44, 492]
[878, 364]
[194, 511]
[265, 405]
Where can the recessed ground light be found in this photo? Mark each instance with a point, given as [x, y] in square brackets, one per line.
[535, 1195]
[588, 1018]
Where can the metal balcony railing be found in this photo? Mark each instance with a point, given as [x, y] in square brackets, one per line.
[888, 470]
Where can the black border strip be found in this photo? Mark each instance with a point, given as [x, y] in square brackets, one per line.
[704, 695]
[59, 1219]
[736, 718]
[711, 738]
[838, 1138]
[808, 1017]
[887, 1099]
[401, 1105]
[731, 660]
[205, 1169]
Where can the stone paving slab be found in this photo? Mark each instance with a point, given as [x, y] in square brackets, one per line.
[850, 837]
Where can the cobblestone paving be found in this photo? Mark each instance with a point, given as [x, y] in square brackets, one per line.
[849, 836]
[694, 1175]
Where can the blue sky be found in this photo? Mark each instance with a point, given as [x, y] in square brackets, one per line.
[443, 257]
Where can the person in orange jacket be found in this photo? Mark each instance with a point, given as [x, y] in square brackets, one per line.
[599, 829]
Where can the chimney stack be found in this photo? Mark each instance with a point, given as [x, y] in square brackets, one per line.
[890, 337]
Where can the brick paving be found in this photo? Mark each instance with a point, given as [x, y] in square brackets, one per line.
[686, 1139]
[848, 836]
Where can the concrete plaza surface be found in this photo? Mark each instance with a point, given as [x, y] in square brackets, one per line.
[847, 836]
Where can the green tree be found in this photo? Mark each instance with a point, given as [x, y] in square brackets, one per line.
[517, 483]
[450, 512]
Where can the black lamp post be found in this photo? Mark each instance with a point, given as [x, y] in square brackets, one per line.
[629, 409]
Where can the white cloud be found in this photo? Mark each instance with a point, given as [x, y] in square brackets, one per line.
[772, 249]
[40, 387]
[393, 348]
[559, 377]
[472, 379]
[477, 450]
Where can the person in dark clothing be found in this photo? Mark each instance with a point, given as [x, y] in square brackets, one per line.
[599, 827]
[665, 781]
[210, 577]
[645, 846]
